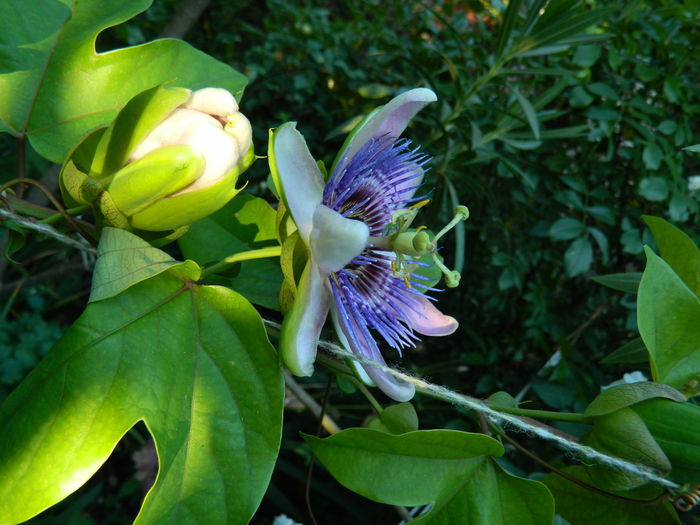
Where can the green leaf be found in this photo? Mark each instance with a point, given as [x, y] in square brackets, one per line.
[125, 259]
[668, 315]
[581, 506]
[192, 362]
[603, 90]
[54, 87]
[566, 229]
[695, 148]
[245, 223]
[454, 470]
[400, 418]
[654, 189]
[623, 434]
[586, 56]
[652, 156]
[625, 282]
[602, 242]
[678, 250]
[667, 127]
[510, 18]
[633, 352]
[600, 113]
[578, 257]
[579, 98]
[495, 497]
[623, 396]
[529, 112]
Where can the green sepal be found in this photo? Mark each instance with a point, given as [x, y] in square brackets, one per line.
[133, 123]
[400, 418]
[675, 427]
[174, 212]
[77, 187]
[110, 214]
[395, 419]
[292, 260]
[160, 173]
[624, 434]
[622, 396]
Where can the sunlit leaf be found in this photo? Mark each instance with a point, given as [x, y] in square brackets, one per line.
[193, 362]
[245, 223]
[54, 87]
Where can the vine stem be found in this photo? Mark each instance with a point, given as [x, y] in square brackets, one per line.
[61, 210]
[542, 414]
[262, 253]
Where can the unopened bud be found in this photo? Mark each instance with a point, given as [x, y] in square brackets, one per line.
[180, 162]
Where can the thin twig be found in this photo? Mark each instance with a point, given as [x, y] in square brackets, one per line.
[185, 17]
[310, 403]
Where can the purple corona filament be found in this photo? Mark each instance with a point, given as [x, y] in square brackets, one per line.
[380, 178]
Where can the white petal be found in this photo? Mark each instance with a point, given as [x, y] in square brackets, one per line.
[426, 319]
[390, 119]
[213, 101]
[335, 240]
[302, 324]
[393, 387]
[297, 176]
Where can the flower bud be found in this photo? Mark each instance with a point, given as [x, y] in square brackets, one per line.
[170, 157]
[647, 423]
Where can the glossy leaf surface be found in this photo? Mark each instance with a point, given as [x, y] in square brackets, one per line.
[454, 469]
[193, 362]
[54, 87]
[668, 315]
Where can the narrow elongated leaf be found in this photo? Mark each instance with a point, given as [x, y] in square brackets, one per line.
[455, 471]
[54, 87]
[668, 315]
[509, 20]
[529, 112]
[625, 282]
[192, 362]
[630, 353]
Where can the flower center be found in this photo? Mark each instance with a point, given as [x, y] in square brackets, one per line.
[411, 245]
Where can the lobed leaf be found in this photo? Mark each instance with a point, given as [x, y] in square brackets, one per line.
[193, 362]
[54, 86]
